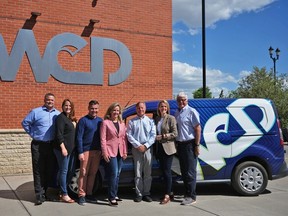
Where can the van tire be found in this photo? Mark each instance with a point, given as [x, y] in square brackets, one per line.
[72, 186]
[249, 178]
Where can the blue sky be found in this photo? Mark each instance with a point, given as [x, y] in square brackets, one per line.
[238, 36]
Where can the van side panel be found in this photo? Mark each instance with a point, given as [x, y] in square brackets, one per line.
[233, 131]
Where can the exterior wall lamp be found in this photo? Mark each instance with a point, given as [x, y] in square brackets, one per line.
[30, 23]
[35, 14]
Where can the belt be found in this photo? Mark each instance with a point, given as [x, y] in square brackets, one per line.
[44, 142]
[186, 141]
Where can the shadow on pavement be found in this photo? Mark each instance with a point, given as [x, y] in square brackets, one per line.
[25, 192]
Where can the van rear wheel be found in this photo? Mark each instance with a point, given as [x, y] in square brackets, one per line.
[249, 178]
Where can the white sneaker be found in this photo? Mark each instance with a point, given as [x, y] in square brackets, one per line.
[188, 201]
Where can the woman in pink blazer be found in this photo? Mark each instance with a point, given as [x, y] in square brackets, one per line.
[114, 148]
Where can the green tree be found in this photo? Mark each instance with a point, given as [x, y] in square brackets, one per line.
[261, 84]
[199, 93]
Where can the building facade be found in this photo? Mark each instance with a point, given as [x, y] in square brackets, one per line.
[112, 50]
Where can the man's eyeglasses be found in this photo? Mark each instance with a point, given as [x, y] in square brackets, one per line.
[181, 100]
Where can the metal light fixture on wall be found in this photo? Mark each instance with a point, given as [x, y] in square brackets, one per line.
[87, 31]
[94, 3]
[35, 14]
[30, 23]
[93, 21]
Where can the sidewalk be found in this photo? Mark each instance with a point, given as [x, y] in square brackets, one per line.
[17, 198]
[14, 192]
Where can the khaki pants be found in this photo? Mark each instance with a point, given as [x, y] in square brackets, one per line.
[143, 170]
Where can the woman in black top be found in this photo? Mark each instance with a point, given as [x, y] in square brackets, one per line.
[65, 142]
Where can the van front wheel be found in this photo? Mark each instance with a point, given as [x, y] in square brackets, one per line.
[73, 184]
[249, 178]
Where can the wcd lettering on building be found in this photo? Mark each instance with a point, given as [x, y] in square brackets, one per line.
[47, 65]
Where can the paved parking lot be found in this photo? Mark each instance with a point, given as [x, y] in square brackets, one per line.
[17, 198]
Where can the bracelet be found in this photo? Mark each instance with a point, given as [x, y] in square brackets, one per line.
[197, 144]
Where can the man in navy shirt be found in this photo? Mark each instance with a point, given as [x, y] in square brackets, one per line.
[39, 124]
[89, 151]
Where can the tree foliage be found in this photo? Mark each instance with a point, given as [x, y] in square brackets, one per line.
[199, 93]
[261, 84]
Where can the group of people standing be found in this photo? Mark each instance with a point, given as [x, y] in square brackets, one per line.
[57, 134]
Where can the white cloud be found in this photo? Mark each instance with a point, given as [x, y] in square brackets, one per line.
[244, 73]
[190, 11]
[193, 31]
[178, 31]
[175, 47]
[188, 78]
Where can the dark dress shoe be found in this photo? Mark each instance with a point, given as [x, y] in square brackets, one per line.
[138, 199]
[40, 199]
[147, 198]
[38, 202]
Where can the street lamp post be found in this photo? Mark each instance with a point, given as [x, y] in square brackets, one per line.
[204, 48]
[277, 51]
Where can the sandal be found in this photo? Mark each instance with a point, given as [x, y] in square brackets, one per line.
[69, 200]
[113, 202]
[118, 199]
[165, 200]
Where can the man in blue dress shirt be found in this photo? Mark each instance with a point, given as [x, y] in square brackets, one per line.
[39, 124]
[141, 133]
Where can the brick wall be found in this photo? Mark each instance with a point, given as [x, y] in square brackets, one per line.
[145, 27]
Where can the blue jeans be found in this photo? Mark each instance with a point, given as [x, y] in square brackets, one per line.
[63, 163]
[188, 167]
[113, 168]
[165, 165]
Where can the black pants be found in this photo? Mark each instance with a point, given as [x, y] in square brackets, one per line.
[165, 165]
[43, 164]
